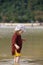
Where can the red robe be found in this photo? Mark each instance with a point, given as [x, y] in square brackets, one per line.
[16, 39]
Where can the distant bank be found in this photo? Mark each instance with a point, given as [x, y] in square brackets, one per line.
[12, 25]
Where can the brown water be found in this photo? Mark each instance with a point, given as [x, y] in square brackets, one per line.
[33, 48]
[22, 62]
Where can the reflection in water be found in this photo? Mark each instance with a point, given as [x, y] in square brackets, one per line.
[22, 62]
[16, 63]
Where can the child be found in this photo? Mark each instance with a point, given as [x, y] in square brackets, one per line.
[17, 42]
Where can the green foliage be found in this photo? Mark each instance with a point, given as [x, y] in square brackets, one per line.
[0, 18]
[20, 10]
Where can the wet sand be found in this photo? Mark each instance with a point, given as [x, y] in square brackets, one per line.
[22, 62]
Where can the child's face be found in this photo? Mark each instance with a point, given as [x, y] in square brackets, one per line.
[20, 32]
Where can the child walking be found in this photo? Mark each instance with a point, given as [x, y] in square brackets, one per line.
[17, 43]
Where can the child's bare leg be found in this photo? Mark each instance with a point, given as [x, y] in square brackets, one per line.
[17, 59]
[14, 60]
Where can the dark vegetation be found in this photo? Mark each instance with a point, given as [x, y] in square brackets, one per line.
[21, 11]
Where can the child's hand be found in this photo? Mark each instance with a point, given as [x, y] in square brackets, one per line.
[17, 47]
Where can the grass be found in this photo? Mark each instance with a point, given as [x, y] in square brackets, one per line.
[32, 47]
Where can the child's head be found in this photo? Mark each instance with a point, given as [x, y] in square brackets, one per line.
[20, 32]
[19, 29]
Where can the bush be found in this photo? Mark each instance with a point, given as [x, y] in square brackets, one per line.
[0, 18]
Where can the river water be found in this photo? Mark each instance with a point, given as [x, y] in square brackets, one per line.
[22, 62]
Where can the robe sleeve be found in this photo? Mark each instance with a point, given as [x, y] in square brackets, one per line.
[13, 42]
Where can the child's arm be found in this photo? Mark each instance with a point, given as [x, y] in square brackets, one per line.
[17, 47]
